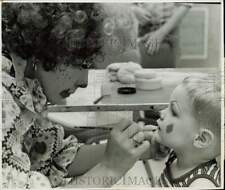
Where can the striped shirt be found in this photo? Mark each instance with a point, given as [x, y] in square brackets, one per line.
[208, 170]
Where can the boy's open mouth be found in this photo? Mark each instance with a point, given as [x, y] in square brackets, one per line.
[158, 125]
[65, 93]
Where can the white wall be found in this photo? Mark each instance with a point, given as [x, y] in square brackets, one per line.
[214, 40]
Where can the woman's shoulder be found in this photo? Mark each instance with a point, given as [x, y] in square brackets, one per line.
[6, 64]
[26, 92]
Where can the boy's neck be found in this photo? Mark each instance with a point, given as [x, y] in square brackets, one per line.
[187, 160]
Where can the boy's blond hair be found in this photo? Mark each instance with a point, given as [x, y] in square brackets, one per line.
[205, 95]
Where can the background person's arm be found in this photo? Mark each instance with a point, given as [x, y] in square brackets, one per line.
[175, 19]
[143, 16]
[153, 40]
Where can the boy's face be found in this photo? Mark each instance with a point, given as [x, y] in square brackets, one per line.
[177, 125]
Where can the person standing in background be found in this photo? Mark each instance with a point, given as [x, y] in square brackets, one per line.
[158, 36]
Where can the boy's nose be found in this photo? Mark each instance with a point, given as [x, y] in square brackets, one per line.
[162, 115]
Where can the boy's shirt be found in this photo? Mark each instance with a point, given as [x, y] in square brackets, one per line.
[208, 170]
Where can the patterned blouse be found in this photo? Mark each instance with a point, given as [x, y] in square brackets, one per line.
[34, 150]
[208, 170]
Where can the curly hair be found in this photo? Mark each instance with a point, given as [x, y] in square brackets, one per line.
[52, 33]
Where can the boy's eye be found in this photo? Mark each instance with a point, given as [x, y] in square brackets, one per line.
[173, 110]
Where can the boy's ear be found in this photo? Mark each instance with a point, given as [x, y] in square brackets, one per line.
[203, 139]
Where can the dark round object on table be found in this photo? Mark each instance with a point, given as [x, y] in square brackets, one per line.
[126, 90]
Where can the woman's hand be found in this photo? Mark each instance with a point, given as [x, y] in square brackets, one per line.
[143, 16]
[125, 146]
[152, 41]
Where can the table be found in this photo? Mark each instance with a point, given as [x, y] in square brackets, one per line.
[80, 110]
[142, 100]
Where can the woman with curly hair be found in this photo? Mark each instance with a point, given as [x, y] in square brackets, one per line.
[48, 48]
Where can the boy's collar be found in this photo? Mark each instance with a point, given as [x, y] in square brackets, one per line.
[218, 160]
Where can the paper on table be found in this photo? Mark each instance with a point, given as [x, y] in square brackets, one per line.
[87, 119]
[86, 96]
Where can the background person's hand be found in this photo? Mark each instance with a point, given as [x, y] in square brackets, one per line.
[143, 16]
[152, 41]
[122, 150]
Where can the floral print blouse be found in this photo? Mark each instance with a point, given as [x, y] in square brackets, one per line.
[34, 151]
